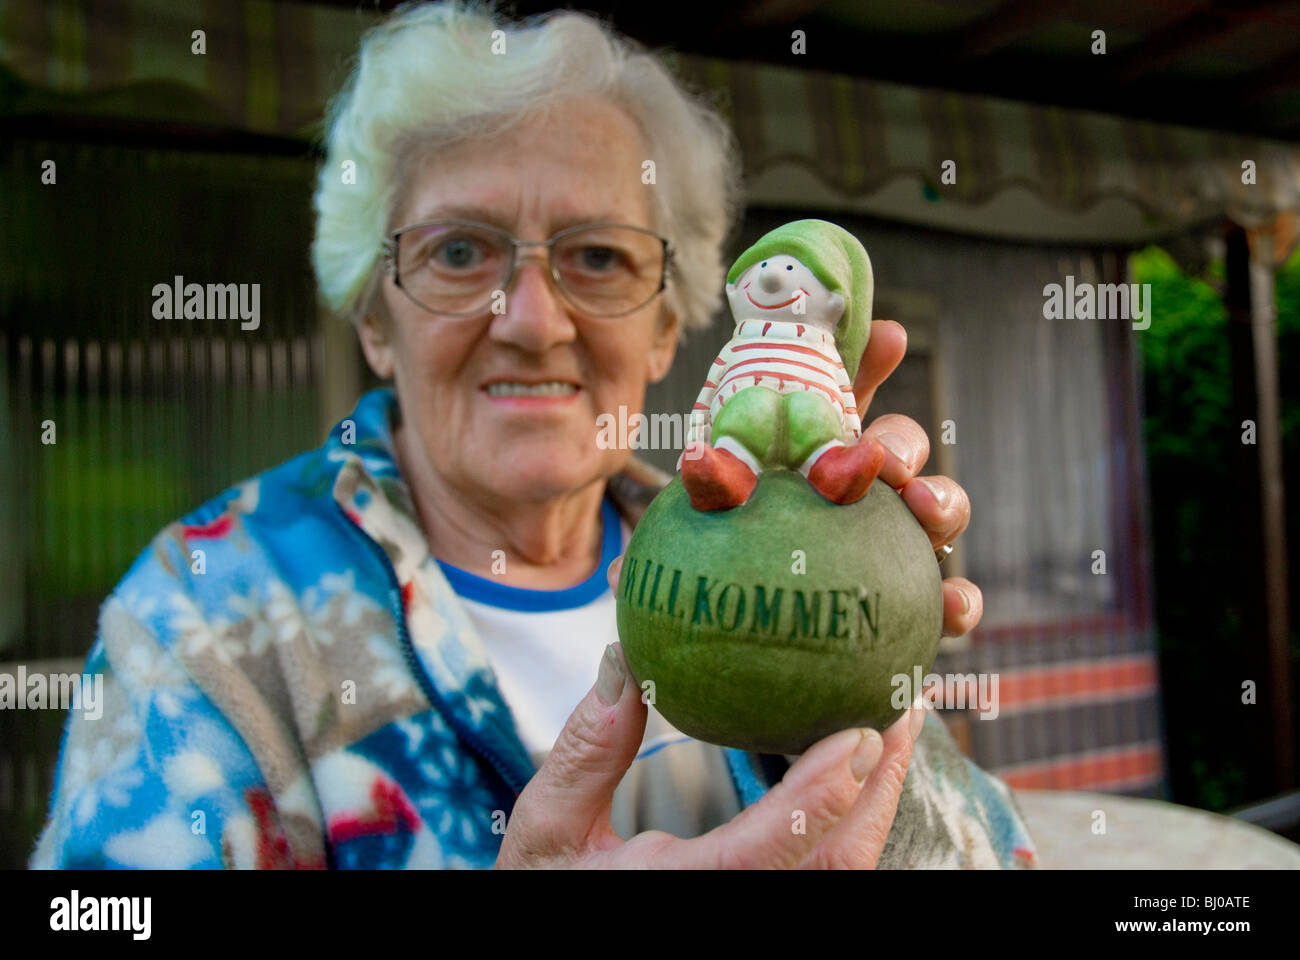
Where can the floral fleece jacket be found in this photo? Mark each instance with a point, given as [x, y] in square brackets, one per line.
[317, 697]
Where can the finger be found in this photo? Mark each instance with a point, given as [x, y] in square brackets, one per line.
[940, 505]
[786, 823]
[905, 443]
[963, 606]
[612, 573]
[886, 345]
[563, 812]
[855, 842]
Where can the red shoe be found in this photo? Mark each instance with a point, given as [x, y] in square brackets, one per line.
[845, 474]
[716, 479]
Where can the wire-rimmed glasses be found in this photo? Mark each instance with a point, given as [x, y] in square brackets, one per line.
[462, 268]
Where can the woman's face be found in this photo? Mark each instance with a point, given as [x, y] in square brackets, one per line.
[581, 163]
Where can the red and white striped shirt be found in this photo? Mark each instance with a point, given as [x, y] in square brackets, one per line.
[782, 356]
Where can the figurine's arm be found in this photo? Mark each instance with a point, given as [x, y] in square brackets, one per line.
[852, 419]
[700, 422]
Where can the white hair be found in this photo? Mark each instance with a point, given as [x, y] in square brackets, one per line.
[427, 77]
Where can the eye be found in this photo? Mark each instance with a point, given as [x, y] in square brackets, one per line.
[762, 265]
[598, 259]
[458, 253]
[789, 266]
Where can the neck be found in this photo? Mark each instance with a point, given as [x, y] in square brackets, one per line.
[543, 544]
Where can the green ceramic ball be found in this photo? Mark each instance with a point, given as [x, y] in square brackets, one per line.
[775, 624]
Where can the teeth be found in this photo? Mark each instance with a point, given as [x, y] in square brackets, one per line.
[552, 388]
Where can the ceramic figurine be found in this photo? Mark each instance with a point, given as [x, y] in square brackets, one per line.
[780, 394]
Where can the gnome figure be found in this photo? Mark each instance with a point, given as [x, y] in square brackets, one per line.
[780, 394]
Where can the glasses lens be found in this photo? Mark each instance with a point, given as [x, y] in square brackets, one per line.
[452, 268]
[606, 271]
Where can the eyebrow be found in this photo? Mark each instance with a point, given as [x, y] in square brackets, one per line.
[469, 211]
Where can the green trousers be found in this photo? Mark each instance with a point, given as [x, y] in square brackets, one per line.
[778, 429]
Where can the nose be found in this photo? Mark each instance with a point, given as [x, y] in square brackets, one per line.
[535, 317]
[769, 280]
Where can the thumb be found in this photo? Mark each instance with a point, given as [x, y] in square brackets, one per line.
[886, 346]
[565, 807]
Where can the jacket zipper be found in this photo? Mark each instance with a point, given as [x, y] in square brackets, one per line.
[413, 662]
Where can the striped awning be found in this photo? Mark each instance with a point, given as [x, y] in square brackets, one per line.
[1017, 170]
[809, 139]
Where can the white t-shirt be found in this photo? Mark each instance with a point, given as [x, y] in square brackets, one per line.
[545, 648]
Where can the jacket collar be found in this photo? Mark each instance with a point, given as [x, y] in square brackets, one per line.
[371, 492]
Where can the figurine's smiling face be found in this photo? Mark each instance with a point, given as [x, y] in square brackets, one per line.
[782, 288]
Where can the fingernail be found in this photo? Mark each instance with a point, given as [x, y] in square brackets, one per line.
[939, 493]
[867, 755]
[612, 573]
[611, 679]
[917, 719]
[895, 445]
[965, 600]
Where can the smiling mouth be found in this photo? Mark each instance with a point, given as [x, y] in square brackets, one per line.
[775, 306]
[516, 388]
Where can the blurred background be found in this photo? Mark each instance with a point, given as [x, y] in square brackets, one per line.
[1131, 545]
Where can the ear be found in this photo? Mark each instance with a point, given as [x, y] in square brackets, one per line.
[375, 333]
[663, 347]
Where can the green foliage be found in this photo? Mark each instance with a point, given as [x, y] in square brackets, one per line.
[99, 493]
[1190, 435]
[1188, 381]
[1288, 348]
[124, 468]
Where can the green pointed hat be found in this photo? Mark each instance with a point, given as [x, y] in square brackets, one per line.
[839, 261]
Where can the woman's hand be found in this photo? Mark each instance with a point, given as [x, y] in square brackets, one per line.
[939, 503]
[846, 787]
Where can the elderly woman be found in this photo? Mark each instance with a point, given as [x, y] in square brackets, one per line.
[382, 652]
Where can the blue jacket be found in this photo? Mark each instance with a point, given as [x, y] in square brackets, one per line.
[290, 681]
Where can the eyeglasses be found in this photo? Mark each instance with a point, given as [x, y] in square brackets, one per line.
[461, 268]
